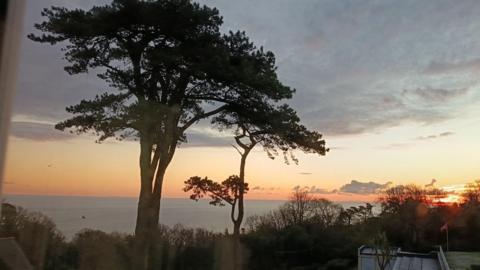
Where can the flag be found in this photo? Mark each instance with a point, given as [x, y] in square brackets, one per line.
[444, 227]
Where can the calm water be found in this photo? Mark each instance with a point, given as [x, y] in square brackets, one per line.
[111, 214]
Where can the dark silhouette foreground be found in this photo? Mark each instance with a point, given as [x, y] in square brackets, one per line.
[305, 233]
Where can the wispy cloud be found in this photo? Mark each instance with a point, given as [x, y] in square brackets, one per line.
[38, 131]
[265, 189]
[434, 136]
[417, 139]
[435, 95]
[436, 67]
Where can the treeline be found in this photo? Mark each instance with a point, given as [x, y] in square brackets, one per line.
[306, 232]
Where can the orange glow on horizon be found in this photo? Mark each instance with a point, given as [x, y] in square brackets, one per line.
[83, 168]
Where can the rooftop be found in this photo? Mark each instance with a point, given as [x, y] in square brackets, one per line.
[416, 262]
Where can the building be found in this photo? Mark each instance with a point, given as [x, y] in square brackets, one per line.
[402, 260]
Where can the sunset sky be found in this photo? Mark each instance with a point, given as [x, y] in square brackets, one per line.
[392, 85]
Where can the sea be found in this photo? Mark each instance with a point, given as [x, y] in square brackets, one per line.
[71, 214]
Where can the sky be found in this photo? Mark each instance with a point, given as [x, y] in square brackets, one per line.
[392, 85]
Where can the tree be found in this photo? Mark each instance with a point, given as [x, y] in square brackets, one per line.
[394, 198]
[227, 192]
[230, 192]
[276, 129]
[405, 210]
[302, 209]
[37, 235]
[168, 67]
[471, 195]
[384, 253]
[324, 212]
[298, 209]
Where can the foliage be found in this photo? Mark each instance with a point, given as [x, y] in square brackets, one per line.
[304, 232]
[166, 59]
[220, 193]
[36, 234]
[471, 195]
[274, 128]
[98, 250]
[301, 209]
[384, 252]
[307, 232]
[184, 248]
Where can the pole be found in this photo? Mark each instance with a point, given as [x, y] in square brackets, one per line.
[10, 37]
[447, 240]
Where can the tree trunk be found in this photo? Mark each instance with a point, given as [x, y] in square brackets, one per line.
[240, 214]
[237, 256]
[237, 223]
[152, 172]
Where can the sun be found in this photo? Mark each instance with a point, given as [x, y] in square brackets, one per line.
[451, 198]
[453, 194]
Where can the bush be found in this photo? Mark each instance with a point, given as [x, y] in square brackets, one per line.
[36, 234]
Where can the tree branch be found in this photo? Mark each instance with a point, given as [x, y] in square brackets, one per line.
[239, 141]
[238, 150]
[221, 197]
[202, 116]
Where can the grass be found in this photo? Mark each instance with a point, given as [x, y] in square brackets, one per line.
[462, 260]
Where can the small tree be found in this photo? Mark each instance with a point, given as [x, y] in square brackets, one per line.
[384, 253]
[226, 192]
[276, 129]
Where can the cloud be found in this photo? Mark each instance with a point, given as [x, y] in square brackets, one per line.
[267, 190]
[419, 138]
[364, 112]
[305, 173]
[436, 67]
[38, 132]
[354, 187]
[313, 189]
[435, 136]
[357, 187]
[436, 95]
[349, 72]
[44, 131]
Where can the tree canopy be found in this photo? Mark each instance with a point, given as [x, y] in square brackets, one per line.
[275, 128]
[165, 67]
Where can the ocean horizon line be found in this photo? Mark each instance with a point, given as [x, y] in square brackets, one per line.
[2, 196]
